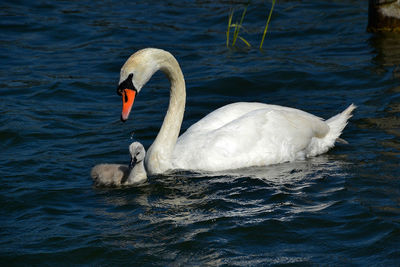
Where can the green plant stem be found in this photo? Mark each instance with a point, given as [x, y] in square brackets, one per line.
[229, 28]
[245, 41]
[238, 26]
[266, 25]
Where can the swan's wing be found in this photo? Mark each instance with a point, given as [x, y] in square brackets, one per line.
[231, 112]
[225, 115]
[259, 137]
[269, 129]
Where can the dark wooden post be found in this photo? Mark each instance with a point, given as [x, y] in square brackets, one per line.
[384, 15]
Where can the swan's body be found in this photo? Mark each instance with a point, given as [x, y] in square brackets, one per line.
[254, 134]
[117, 174]
[234, 136]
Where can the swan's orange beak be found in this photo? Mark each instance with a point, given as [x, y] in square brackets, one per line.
[128, 97]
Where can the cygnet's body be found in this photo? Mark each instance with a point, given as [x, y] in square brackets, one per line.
[118, 174]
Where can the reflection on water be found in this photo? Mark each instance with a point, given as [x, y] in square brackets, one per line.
[186, 198]
[387, 46]
[183, 212]
[388, 120]
[290, 172]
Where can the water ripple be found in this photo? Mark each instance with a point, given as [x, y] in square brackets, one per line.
[59, 116]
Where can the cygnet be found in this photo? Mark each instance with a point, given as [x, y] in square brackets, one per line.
[118, 174]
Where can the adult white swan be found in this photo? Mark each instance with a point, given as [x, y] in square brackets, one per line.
[234, 136]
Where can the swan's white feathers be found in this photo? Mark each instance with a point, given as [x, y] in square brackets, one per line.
[265, 135]
[231, 112]
[234, 136]
[141, 68]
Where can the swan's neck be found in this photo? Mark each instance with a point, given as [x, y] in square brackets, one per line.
[158, 157]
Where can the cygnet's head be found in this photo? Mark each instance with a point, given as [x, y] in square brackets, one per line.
[137, 170]
[138, 153]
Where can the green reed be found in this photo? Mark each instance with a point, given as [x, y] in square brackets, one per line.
[239, 25]
[266, 25]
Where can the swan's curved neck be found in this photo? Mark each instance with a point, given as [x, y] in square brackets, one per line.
[159, 155]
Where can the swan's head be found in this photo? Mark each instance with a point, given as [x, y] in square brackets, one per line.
[138, 153]
[135, 73]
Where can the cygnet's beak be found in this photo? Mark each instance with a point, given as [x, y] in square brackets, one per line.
[128, 97]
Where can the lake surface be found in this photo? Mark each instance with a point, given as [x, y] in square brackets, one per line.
[59, 70]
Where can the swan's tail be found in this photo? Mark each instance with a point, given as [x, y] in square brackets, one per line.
[336, 126]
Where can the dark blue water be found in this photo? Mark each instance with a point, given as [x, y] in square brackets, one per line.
[59, 109]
